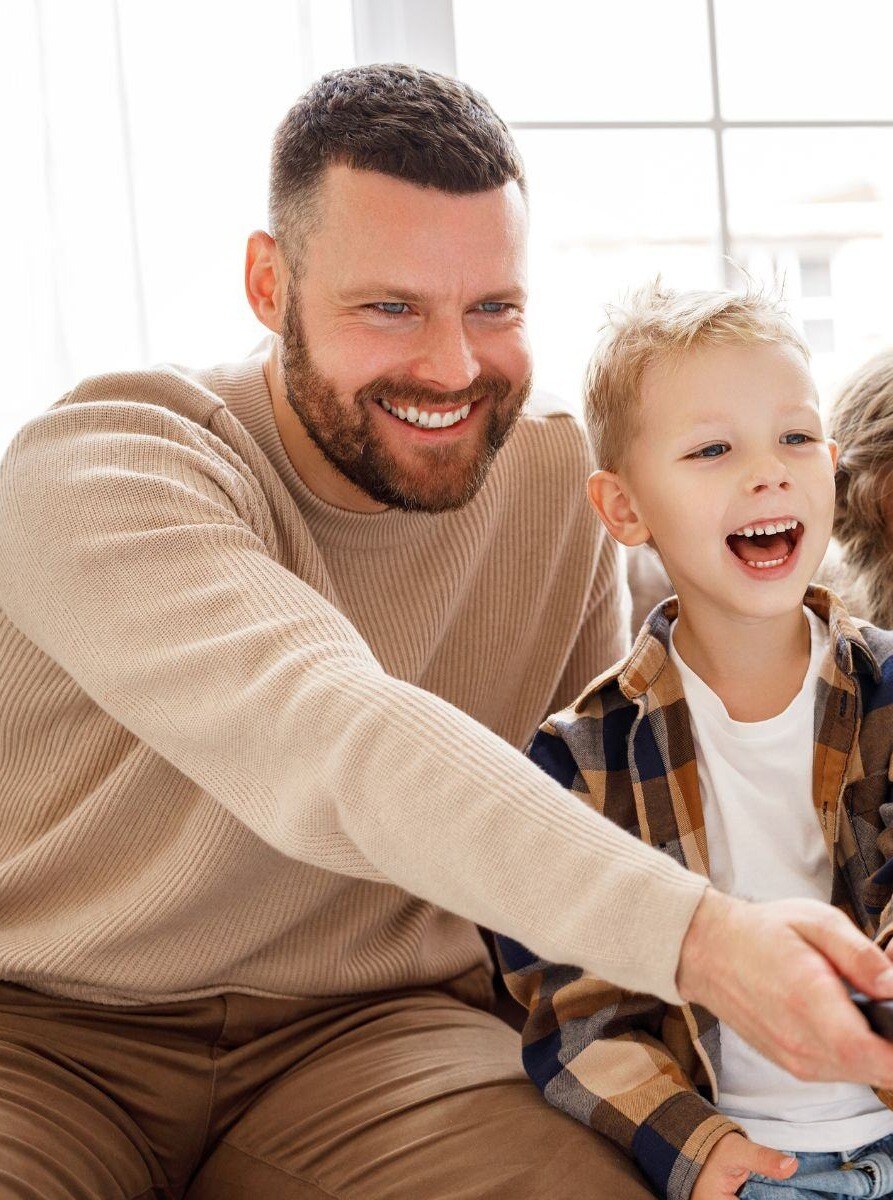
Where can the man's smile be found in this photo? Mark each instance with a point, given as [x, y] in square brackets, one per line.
[424, 418]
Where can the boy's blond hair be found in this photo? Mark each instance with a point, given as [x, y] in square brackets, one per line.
[657, 323]
[862, 426]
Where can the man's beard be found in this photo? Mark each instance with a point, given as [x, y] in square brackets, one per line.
[440, 477]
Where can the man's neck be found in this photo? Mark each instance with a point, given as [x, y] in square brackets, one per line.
[305, 456]
[755, 667]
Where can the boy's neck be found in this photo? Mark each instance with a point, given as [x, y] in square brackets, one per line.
[755, 667]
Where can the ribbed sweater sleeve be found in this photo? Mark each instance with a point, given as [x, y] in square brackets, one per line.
[138, 552]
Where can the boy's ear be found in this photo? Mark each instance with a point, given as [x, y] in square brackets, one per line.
[612, 501]
[835, 452]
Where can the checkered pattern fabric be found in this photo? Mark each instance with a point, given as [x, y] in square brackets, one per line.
[634, 1068]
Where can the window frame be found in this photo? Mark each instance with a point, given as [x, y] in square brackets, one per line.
[394, 29]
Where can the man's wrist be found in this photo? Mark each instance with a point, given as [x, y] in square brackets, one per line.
[709, 927]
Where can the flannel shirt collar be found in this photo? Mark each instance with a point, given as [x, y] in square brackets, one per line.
[636, 675]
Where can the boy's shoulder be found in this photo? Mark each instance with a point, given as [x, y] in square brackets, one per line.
[862, 650]
[865, 653]
[879, 642]
[587, 735]
[875, 677]
[645, 678]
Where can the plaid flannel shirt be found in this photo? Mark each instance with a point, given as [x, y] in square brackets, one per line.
[634, 1068]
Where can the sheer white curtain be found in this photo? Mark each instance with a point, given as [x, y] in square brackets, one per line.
[135, 139]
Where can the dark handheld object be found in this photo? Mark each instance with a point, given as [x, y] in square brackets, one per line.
[878, 1013]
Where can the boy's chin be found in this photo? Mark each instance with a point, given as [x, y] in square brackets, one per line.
[767, 605]
[740, 596]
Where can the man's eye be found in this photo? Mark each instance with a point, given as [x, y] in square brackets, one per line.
[499, 308]
[391, 308]
[714, 450]
[797, 439]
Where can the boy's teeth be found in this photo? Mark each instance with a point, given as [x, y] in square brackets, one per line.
[426, 420]
[778, 527]
[772, 562]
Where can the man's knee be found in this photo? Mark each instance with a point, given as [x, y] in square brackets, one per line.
[61, 1139]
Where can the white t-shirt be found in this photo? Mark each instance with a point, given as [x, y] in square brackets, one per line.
[765, 843]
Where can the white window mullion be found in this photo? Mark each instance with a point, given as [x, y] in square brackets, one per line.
[725, 241]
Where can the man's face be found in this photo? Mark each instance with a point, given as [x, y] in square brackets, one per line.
[404, 345]
[731, 441]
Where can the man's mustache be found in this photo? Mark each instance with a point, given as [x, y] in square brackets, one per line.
[406, 392]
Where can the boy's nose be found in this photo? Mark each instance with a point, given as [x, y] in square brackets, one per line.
[768, 475]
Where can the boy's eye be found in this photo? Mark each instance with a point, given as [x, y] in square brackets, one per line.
[797, 439]
[714, 450]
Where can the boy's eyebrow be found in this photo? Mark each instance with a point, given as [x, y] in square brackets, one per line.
[708, 424]
[794, 410]
[720, 420]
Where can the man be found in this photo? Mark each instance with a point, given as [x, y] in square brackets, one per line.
[274, 634]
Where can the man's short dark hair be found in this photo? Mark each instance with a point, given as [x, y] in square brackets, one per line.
[400, 120]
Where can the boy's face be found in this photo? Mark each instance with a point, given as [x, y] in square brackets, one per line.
[730, 440]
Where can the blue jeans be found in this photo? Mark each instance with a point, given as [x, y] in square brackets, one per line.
[867, 1171]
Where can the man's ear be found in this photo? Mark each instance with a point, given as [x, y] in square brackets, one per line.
[266, 280]
[609, 496]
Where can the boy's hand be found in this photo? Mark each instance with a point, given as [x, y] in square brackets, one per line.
[773, 972]
[732, 1160]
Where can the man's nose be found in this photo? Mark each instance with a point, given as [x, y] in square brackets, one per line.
[447, 359]
[768, 473]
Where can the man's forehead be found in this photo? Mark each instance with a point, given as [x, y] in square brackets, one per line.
[394, 207]
[379, 233]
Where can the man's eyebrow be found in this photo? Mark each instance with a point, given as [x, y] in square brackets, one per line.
[378, 291]
[382, 290]
[513, 293]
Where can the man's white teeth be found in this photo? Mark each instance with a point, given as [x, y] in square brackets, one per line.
[426, 420]
[778, 527]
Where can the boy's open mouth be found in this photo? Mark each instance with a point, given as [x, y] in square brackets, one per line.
[765, 544]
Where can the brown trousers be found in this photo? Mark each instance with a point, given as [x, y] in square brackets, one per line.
[413, 1096]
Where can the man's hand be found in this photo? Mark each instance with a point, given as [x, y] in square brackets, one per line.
[732, 1160]
[772, 971]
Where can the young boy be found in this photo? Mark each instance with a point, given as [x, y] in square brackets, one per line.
[747, 735]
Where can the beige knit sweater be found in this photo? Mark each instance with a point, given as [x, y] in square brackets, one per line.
[252, 742]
